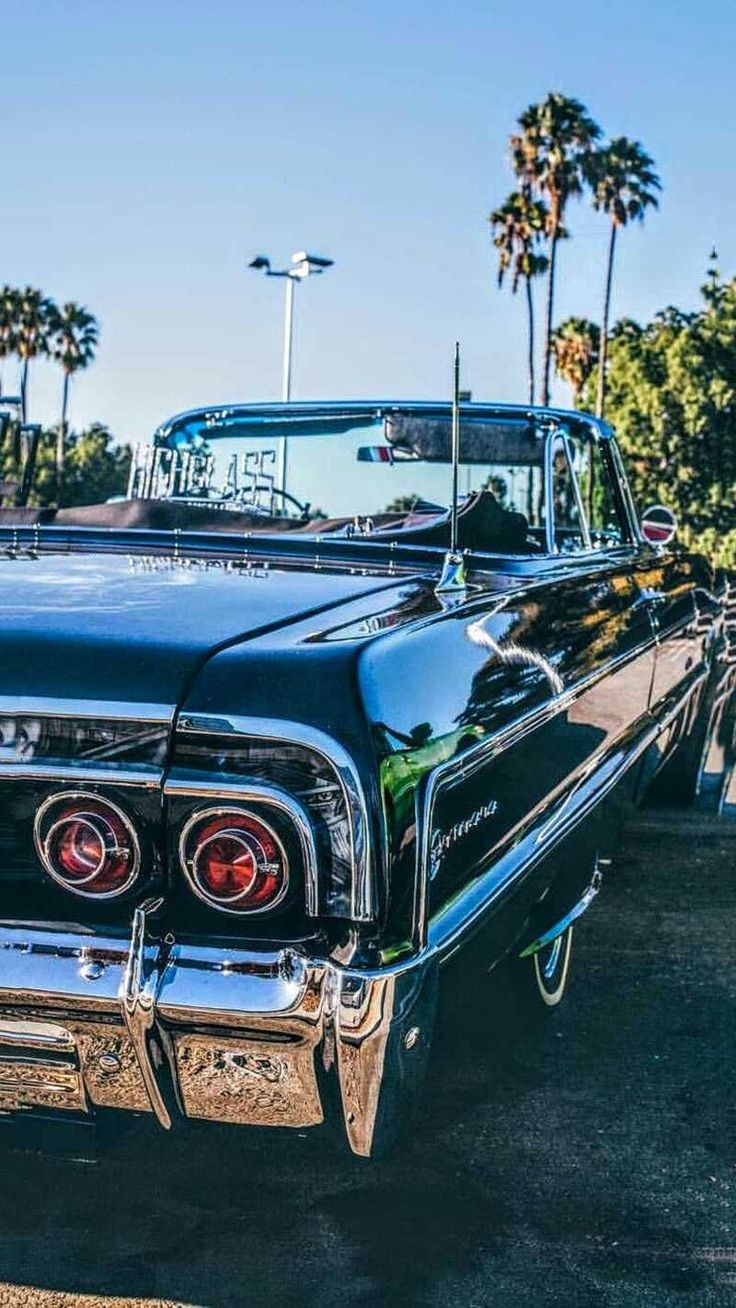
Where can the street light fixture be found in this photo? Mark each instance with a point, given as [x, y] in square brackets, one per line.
[303, 265]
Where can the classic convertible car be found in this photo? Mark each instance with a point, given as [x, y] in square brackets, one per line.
[338, 695]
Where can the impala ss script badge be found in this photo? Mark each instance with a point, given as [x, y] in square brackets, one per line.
[443, 841]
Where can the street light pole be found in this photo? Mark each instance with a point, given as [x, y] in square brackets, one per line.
[288, 339]
[302, 265]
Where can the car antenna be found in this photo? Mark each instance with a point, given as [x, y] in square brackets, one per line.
[452, 577]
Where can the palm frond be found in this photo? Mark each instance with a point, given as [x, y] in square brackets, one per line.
[74, 337]
[623, 180]
[518, 228]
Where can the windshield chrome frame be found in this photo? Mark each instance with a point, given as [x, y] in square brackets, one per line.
[213, 423]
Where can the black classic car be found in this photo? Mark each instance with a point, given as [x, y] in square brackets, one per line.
[338, 695]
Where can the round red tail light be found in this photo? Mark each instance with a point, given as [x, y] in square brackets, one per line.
[87, 845]
[234, 860]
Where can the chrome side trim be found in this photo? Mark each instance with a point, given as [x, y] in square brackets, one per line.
[559, 927]
[363, 898]
[270, 795]
[38, 706]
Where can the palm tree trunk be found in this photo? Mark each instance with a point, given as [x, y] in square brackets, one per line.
[530, 313]
[24, 391]
[61, 440]
[601, 396]
[550, 314]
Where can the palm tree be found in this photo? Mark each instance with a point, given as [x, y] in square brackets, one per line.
[34, 320]
[624, 185]
[549, 155]
[74, 337]
[518, 227]
[8, 325]
[575, 348]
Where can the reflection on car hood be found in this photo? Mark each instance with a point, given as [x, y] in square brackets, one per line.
[135, 629]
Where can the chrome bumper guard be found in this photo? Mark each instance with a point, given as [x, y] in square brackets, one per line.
[178, 1030]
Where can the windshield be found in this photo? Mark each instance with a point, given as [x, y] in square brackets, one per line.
[392, 467]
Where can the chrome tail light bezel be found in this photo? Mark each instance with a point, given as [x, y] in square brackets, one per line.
[187, 860]
[42, 840]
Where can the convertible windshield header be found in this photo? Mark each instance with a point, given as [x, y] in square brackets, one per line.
[382, 470]
[425, 428]
[240, 424]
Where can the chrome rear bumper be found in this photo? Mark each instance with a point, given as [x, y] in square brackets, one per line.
[89, 1021]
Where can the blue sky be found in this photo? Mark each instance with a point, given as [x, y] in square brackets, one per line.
[152, 148]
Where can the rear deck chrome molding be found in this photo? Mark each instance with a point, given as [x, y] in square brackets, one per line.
[148, 778]
[363, 905]
[38, 706]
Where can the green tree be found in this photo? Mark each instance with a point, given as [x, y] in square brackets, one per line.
[74, 336]
[624, 186]
[9, 312]
[549, 156]
[575, 349]
[624, 328]
[402, 504]
[518, 228]
[96, 468]
[35, 314]
[671, 396]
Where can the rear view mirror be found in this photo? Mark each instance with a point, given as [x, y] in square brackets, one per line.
[375, 454]
[658, 524]
[385, 454]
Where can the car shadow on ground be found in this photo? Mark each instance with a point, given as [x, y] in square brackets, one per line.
[588, 1160]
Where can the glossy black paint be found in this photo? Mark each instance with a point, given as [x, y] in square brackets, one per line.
[443, 766]
[464, 749]
[132, 626]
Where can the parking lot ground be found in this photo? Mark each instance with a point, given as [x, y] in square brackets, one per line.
[589, 1162]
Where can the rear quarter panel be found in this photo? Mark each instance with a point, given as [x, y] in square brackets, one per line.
[492, 720]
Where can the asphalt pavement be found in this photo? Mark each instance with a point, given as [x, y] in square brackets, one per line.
[588, 1162]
